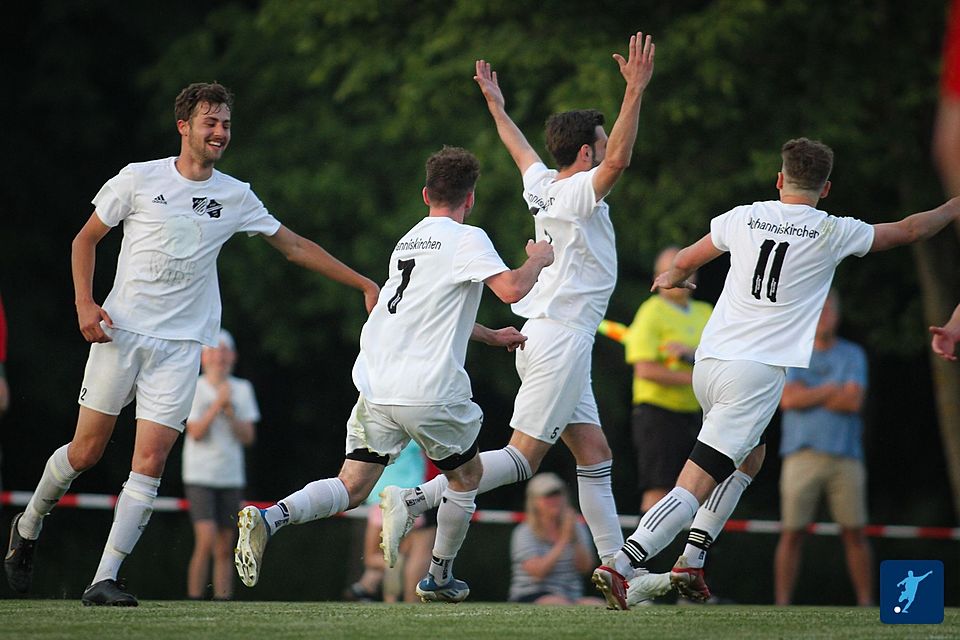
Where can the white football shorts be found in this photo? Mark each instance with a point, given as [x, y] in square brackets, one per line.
[738, 398]
[555, 386]
[440, 430]
[161, 374]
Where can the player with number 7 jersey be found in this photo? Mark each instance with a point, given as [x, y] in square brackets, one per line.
[783, 255]
[411, 378]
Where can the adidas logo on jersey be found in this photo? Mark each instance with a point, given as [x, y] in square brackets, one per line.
[160, 199]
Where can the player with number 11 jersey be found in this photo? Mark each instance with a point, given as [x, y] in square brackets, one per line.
[782, 260]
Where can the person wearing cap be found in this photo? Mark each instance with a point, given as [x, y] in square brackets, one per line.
[551, 550]
[221, 423]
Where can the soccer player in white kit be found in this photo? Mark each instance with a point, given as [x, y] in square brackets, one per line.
[164, 305]
[783, 254]
[555, 399]
[410, 374]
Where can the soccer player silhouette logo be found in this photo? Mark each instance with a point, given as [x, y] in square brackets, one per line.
[909, 584]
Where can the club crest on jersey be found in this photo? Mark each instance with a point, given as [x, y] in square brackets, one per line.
[207, 206]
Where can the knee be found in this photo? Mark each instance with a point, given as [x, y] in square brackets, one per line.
[149, 463]
[854, 537]
[791, 539]
[358, 489]
[589, 446]
[83, 455]
[754, 461]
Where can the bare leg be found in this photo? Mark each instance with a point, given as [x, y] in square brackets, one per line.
[223, 570]
[417, 561]
[651, 497]
[198, 571]
[859, 564]
[786, 566]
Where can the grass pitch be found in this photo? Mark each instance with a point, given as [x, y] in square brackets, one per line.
[49, 619]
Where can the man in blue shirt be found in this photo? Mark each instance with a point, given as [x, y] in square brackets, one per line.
[823, 455]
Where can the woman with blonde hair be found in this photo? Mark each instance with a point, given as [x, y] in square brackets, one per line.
[550, 550]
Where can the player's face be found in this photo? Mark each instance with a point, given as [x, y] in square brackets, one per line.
[600, 146]
[208, 132]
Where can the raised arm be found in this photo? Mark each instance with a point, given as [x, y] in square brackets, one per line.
[687, 260]
[83, 259]
[511, 286]
[310, 255]
[944, 341]
[916, 227]
[513, 139]
[637, 70]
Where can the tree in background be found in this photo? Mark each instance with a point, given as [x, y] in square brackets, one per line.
[337, 104]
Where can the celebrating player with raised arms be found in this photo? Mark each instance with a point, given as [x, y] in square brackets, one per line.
[555, 400]
[783, 254]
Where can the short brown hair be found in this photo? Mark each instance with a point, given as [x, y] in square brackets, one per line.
[452, 173]
[570, 130]
[806, 163]
[192, 95]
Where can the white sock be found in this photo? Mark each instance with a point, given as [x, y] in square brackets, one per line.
[658, 527]
[130, 518]
[319, 499]
[712, 515]
[56, 479]
[453, 520]
[599, 508]
[500, 467]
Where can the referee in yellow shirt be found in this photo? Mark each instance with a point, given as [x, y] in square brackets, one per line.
[666, 416]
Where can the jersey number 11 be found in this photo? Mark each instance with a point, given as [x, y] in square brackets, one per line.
[773, 282]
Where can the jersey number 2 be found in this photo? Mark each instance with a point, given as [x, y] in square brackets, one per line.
[405, 266]
[773, 282]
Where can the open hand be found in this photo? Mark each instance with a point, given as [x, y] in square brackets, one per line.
[637, 68]
[487, 79]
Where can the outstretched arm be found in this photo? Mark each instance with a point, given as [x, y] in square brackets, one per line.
[310, 255]
[513, 139]
[83, 259]
[637, 70]
[511, 286]
[916, 227]
[687, 260]
[944, 342]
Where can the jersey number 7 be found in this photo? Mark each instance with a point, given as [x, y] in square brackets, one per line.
[405, 266]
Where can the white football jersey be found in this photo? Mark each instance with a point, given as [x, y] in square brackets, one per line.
[413, 345]
[216, 460]
[576, 288]
[166, 281]
[782, 260]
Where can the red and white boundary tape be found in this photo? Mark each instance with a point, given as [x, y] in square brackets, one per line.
[102, 501]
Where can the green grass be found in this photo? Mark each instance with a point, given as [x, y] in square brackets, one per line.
[157, 619]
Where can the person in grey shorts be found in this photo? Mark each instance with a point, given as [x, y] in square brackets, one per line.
[221, 423]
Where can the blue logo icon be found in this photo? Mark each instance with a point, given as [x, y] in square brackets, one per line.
[911, 591]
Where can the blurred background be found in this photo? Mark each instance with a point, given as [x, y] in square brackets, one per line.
[338, 104]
